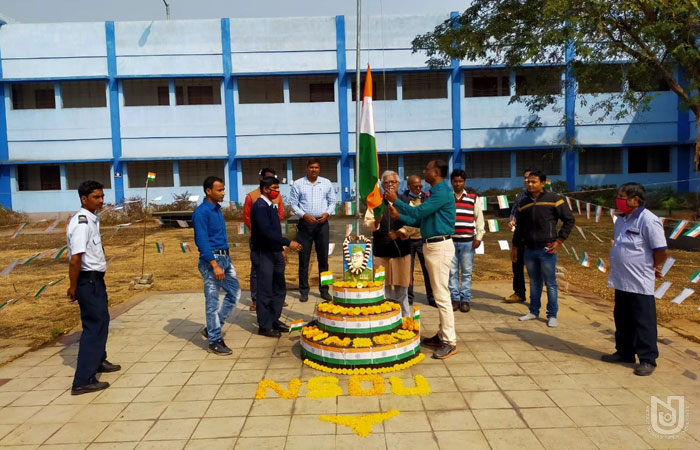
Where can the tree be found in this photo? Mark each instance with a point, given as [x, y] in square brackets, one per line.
[652, 42]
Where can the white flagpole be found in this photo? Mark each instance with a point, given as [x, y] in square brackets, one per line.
[143, 253]
[358, 100]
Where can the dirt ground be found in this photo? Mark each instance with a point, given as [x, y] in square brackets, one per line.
[33, 320]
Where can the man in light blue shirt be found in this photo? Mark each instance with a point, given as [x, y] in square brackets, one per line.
[636, 258]
[312, 198]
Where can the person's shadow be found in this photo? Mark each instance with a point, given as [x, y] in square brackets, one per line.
[550, 342]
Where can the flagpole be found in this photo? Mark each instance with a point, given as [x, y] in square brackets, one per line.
[358, 99]
[145, 206]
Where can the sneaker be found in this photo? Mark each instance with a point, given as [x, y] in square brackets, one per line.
[552, 322]
[465, 306]
[618, 358]
[107, 367]
[514, 298]
[219, 348]
[528, 316]
[445, 351]
[644, 369]
[434, 341]
[87, 388]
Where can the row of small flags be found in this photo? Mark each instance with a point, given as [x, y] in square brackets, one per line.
[184, 247]
[55, 254]
[36, 295]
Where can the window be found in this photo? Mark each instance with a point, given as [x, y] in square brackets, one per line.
[151, 92]
[643, 79]
[383, 86]
[311, 88]
[76, 173]
[329, 167]
[413, 164]
[138, 170]
[418, 85]
[487, 83]
[600, 78]
[194, 171]
[387, 161]
[487, 164]
[649, 159]
[538, 81]
[599, 160]
[33, 96]
[260, 90]
[250, 169]
[548, 161]
[198, 91]
[84, 94]
[39, 177]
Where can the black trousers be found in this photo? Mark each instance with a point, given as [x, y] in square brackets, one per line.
[94, 314]
[253, 277]
[519, 273]
[417, 250]
[308, 234]
[272, 288]
[635, 326]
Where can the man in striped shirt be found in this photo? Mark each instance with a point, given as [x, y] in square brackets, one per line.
[469, 231]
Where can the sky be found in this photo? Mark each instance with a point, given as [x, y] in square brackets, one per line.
[28, 11]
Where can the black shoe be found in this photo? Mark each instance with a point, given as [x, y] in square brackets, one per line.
[282, 328]
[269, 332]
[465, 306]
[434, 341]
[87, 388]
[618, 358]
[644, 368]
[326, 296]
[455, 306]
[219, 348]
[445, 351]
[205, 333]
[432, 303]
[304, 298]
[410, 301]
[106, 367]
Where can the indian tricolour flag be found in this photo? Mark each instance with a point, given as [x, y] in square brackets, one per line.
[19, 229]
[584, 260]
[568, 202]
[379, 274]
[369, 163]
[493, 226]
[296, 325]
[502, 201]
[184, 247]
[326, 278]
[598, 211]
[349, 208]
[694, 278]
[578, 206]
[348, 229]
[159, 247]
[693, 232]
[600, 265]
[416, 313]
[151, 176]
[680, 226]
[484, 204]
[588, 211]
[241, 228]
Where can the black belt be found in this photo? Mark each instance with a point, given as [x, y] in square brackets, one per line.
[444, 237]
[463, 239]
[221, 252]
[92, 275]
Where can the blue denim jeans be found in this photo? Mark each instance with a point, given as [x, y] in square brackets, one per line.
[542, 266]
[461, 287]
[217, 315]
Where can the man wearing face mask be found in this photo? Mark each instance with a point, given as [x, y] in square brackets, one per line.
[266, 254]
[636, 258]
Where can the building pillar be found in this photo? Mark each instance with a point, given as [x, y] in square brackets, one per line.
[233, 168]
[456, 97]
[570, 114]
[683, 136]
[114, 114]
[345, 159]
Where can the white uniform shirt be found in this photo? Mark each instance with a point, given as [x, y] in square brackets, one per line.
[83, 236]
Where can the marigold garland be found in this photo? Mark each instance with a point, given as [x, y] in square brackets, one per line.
[355, 284]
[362, 425]
[323, 387]
[355, 385]
[363, 370]
[332, 308]
[361, 342]
[422, 387]
[410, 324]
[385, 339]
[290, 393]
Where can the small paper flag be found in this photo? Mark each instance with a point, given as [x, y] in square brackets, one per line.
[580, 230]
[565, 249]
[693, 232]
[151, 176]
[685, 293]
[694, 278]
[348, 229]
[284, 228]
[8, 270]
[573, 250]
[159, 247]
[661, 290]
[158, 222]
[184, 247]
[30, 259]
[662, 219]
[51, 227]
[480, 250]
[667, 266]
[241, 228]
[568, 202]
[232, 205]
[598, 211]
[182, 223]
[493, 226]
[578, 207]
[613, 216]
[678, 229]
[331, 247]
[41, 290]
[416, 313]
[157, 199]
[503, 245]
[122, 225]
[548, 184]
[484, 203]
[379, 274]
[54, 283]
[595, 236]
[584, 260]
[296, 325]
[193, 198]
[601, 265]
[19, 229]
[349, 208]
[502, 201]
[588, 211]
[46, 254]
[59, 252]
[326, 278]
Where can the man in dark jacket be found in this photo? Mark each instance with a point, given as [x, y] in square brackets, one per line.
[536, 231]
[266, 254]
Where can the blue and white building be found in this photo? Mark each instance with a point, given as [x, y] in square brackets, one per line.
[186, 99]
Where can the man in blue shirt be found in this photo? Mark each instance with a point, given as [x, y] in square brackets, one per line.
[636, 258]
[312, 198]
[215, 263]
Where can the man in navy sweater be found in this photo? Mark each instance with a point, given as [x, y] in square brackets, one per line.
[266, 254]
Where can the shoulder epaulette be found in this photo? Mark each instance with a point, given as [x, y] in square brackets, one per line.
[82, 219]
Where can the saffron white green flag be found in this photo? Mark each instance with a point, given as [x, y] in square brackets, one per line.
[502, 201]
[326, 278]
[296, 325]
[493, 226]
[151, 176]
[368, 170]
[379, 274]
[601, 265]
[184, 247]
[694, 278]
[693, 232]
[678, 229]
[159, 247]
[484, 203]
[584, 260]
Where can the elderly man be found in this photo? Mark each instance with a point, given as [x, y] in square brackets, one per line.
[636, 258]
[391, 248]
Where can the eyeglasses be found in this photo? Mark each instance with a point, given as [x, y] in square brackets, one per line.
[390, 182]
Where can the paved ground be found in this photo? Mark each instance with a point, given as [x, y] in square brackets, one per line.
[512, 385]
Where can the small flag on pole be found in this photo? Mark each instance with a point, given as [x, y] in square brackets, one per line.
[598, 211]
[348, 229]
[59, 252]
[151, 176]
[8, 270]
[678, 229]
[349, 208]
[693, 232]
[296, 325]
[584, 260]
[184, 247]
[685, 293]
[159, 247]
[416, 313]
[588, 211]
[694, 278]
[580, 230]
[493, 226]
[241, 228]
[601, 265]
[51, 227]
[502, 201]
[661, 290]
[379, 274]
[578, 207]
[182, 223]
[19, 229]
[326, 278]
[484, 203]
